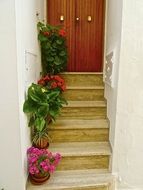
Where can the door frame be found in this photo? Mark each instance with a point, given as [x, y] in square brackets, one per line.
[105, 19]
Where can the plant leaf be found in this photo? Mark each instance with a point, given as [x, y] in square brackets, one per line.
[40, 124]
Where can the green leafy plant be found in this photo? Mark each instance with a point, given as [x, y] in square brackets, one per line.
[53, 48]
[42, 105]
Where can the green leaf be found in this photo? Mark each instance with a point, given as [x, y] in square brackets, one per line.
[53, 113]
[62, 53]
[42, 38]
[43, 111]
[40, 124]
[28, 107]
[59, 42]
[57, 61]
[50, 59]
[53, 95]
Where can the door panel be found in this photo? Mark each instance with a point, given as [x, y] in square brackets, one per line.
[89, 35]
[84, 39]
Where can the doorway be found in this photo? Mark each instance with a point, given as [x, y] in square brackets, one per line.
[84, 23]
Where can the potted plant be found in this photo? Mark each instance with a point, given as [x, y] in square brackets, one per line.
[53, 48]
[41, 163]
[42, 106]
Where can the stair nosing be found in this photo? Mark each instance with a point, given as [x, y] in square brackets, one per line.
[85, 88]
[79, 103]
[82, 73]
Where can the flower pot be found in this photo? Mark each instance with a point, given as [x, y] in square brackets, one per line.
[42, 143]
[38, 179]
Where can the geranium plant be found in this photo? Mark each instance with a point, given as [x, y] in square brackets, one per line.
[53, 82]
[53, 48]
[41, 162]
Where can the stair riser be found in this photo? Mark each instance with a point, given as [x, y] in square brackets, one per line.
[83, 112]
[84, 162]
[81, 135]
[84, 94]
[83, 80]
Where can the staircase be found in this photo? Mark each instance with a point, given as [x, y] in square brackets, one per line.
[81, 135]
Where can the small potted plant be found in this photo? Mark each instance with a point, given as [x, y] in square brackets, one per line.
[41, 163]
[42, 106]
[53, 48]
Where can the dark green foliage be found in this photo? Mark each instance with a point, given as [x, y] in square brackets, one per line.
[53, 48]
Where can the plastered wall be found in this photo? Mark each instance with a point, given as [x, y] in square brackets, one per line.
[125, 99]
[18, 34]
[128, 149]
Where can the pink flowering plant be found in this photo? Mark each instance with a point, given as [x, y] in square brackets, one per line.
[42, 161]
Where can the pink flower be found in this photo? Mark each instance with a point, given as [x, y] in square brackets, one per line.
[42, 161]
[46, 168]
[52, 169]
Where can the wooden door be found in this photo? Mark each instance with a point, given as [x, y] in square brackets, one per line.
[84, 21]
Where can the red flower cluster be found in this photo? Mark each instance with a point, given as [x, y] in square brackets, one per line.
[53, 82]
[62, 32]
[46, 33]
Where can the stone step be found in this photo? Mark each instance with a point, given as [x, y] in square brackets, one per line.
[79, 130]
[85, 79]
[84, 109]
[77, 180]
[82, 155]
[84, 93]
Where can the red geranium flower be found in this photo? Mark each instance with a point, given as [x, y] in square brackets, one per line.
[54, 85]
[62, 32]
[53, 82]
[46, 33]
[41, 82]
[46, 78]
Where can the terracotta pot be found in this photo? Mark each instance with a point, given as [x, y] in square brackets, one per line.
[42, 143]
[38, 179]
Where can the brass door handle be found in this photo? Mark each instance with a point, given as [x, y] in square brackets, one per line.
[61, 18]
[89, 18]
[77, 19]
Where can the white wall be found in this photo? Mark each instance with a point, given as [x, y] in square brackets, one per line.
[10, 146]
[18, 34]
[128, 149]
[113, 40]
[26, 28]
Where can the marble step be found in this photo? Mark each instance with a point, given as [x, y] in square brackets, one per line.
[77, 180]
[82, 155]
[79, 130]
[84, 109]
[84, 93]
[85, 79]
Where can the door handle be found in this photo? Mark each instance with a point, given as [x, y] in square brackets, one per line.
[89, 18]
[61, 18]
